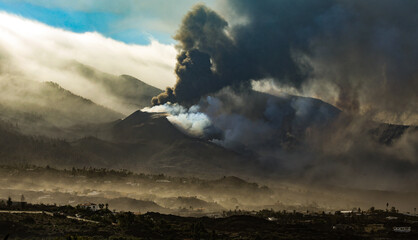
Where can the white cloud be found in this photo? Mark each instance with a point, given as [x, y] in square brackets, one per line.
[143, 15]
[39, 52]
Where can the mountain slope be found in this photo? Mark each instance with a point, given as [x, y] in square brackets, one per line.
[153, 145]
[47, 109]
[129, 91]
[145, 142]
[388, 133]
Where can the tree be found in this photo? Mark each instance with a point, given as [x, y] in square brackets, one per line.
[9, 202]
[126, 219]
[22, 202]
[197, 230]
[213, 235]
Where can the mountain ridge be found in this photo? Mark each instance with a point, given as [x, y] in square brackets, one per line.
[130, 92]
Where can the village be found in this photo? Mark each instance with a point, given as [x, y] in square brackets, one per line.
[93, 220]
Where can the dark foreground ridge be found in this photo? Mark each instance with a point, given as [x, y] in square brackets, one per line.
[66, 222]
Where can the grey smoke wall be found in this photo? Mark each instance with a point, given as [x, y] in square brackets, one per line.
[303, 140]
[359, 55]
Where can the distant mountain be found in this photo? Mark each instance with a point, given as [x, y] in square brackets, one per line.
[189, 203]
[149, 141]
[143, 206]
[142, 126]
[17, 148]
[129, 91]
[47, 109]
[141, 142]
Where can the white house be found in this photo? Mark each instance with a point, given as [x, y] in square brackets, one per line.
[90, 206]
[402, 229]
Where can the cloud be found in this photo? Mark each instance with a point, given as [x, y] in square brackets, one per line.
[158, 17]
[39, 52]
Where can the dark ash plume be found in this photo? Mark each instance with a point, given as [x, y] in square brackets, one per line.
[202, 33]
[364, 51]
[195, 76]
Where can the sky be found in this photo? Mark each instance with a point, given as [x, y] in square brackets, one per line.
[38, 52]
[131, 37]
[129, 21]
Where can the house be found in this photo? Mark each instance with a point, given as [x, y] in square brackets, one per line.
[402, 229]
[90, 206]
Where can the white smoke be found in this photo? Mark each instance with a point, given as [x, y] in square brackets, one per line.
[189, 120]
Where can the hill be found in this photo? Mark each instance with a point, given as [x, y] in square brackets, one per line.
[142, 141]
[44, 108]
[149, 141]
[129, 92]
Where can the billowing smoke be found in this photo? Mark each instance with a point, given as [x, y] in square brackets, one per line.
[202, 38]
[303, 139]
[252, 122]
[357, 55]
[189, 120]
